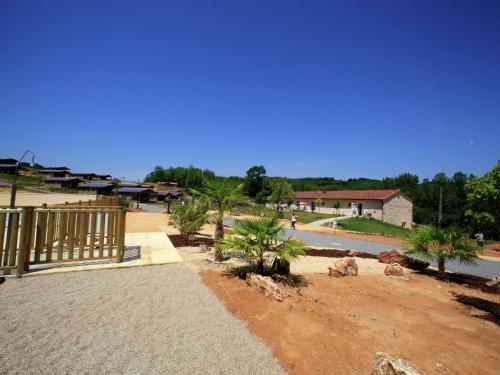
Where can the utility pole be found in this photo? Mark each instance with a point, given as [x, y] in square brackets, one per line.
[440, 214]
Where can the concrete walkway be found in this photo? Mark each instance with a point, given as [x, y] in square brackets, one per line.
[319, 223]
[154, 248]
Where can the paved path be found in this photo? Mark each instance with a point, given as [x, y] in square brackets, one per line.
[485, 268]
[319, 223]
[151, 208]
[140, 320]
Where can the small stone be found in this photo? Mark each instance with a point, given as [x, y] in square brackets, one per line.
[353, 252]
[171, 223]
[397, 256]
[204, 247]
[394, 269]
[344, 267]
[387, 365]
[266, 284]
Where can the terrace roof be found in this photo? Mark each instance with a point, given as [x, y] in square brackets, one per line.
[62, 179]
[96, 184]
[133, 190]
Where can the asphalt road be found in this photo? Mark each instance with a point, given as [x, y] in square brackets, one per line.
[485, 268]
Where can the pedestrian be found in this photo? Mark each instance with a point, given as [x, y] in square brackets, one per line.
[334, 224]
[294, 220]
[479, 238]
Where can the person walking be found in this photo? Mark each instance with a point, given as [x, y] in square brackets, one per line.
[294, 220]
[479, 238]
[334, 224]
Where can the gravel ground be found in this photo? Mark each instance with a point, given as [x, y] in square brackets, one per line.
[142, 320]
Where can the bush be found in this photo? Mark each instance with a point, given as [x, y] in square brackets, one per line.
[190, 217]
[125, 202]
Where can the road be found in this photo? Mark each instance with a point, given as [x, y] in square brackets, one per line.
[485, 268]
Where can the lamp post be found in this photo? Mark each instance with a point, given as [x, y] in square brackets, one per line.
[14, 184]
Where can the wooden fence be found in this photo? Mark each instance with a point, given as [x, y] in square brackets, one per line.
[100, 201]
[31, 235]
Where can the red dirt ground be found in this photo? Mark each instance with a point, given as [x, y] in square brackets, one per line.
[335, 325]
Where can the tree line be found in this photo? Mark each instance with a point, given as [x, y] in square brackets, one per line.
[469, 201]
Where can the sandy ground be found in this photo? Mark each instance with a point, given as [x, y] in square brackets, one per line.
[335, 325]
[142, 320]
[37, 199]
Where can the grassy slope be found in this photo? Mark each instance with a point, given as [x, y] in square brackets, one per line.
[364, 225]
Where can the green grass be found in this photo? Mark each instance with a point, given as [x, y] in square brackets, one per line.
[22, 180]
[364, 225]
[304, 216]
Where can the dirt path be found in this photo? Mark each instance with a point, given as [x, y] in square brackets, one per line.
[335, 326]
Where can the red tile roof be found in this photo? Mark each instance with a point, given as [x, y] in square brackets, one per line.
[347, 194]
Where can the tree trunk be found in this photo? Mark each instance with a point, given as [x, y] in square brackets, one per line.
[281, 266]
[219, 230]
[441, 266]
[260, 265]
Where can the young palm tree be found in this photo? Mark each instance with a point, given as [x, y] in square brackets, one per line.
[261, 240]
[430, 243]
[224, 195]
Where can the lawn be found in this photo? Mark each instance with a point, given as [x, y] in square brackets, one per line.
[304, 216]
[360, 224]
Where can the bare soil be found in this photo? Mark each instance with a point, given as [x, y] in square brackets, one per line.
[182, 240]
[335, 325]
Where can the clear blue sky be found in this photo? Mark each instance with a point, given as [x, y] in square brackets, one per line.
[305, 88]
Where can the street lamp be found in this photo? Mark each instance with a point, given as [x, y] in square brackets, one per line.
[14, 184]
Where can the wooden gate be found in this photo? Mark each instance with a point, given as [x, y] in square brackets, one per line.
[50, 235]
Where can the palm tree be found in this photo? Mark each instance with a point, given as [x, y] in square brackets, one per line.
[223, 194]
[261, 240]
[430, 243]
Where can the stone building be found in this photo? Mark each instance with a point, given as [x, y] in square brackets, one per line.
[390, 206]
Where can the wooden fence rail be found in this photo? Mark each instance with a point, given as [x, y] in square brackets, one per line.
[30, 236]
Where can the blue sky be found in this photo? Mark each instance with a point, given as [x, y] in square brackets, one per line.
[305, 88]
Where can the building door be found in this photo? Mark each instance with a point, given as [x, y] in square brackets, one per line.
[360, 209]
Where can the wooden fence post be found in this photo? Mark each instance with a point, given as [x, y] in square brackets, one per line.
[24, 252]
[121, 235]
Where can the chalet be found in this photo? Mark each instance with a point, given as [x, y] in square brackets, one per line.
[169, 194]
[390, 206]
[63, 182]
[99, 187]
[63, 172]
[141, 194]
[8, 161]
[11, 169]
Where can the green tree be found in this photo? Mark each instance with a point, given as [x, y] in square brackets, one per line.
[190, 217]
[281, 192]
[318, 202]
[428, 243]
[336, 206]
[261, 240]
[254, 180]
[223, 194]
[483, 196]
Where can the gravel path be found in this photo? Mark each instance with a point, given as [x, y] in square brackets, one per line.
[142, 320]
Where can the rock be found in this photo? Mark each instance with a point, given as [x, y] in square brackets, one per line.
[265, 284]
[204, 247]
[494, 282]
[394, 269]
[344, 267]
[171, 223]
[397, 256]
[387, 365]
[353, 252]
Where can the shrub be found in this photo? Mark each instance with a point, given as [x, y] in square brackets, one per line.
[190, 217]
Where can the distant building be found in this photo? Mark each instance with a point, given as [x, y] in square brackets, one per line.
[62, 172]
[141, 194]
[9, 161]
[99, 187]
[390, 206]
[63, 182]
[11, 169]
[172, 194]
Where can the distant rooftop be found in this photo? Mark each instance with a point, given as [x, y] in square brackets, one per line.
[133, 189]
[96, 184]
